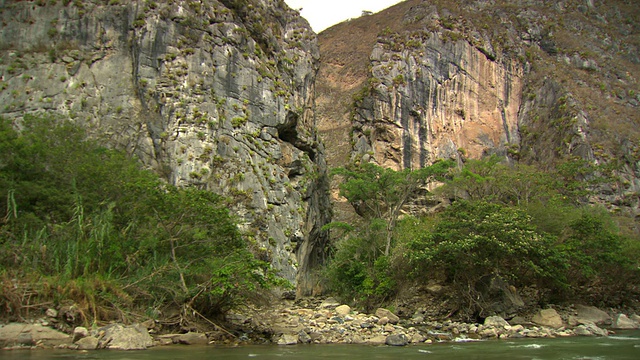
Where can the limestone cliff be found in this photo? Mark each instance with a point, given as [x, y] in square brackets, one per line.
[214, 94]
[533, 81]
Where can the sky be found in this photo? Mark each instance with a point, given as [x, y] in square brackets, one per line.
[322, 14]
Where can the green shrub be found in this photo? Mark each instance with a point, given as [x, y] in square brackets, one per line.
[93, 219]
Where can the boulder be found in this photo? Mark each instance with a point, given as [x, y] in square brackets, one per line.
[548, 317]
[518, 320]
[590, 329]
[121, 337]
[87, 343]
[288, 339]
[192, 338]
[343, 310]
[621, 321]
[586, 314]
[30, 334]
[496, 321]
[396, 340]
[52, 313]
[80, 332]
[393, 318]
[303, 337]
[329, 303]
[377, 340]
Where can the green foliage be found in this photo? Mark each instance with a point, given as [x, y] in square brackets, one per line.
[379, 193]
[359, 271]
[599, 266]
[474, 239]
[511, 221]
[79, 213]
[519, 184]
[361, 268]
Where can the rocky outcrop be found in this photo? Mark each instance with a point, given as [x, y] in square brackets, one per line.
[216, 94]
[586, 314]
[429, 98]
[622, 321]
[532, 81]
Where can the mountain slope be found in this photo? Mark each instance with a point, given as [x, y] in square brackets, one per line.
[533, 81]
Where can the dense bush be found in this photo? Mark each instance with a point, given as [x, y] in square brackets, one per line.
[359, 271]
[474, 241]
[87, 223]
[516, 223]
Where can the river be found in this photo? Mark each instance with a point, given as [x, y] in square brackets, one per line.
[624, 345]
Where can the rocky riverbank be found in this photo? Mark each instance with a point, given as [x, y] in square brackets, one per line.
[327, 323]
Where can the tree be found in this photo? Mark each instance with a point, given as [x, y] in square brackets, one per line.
[380, 193]
[473, 240]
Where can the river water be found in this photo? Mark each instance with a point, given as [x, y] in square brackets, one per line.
[624, 345]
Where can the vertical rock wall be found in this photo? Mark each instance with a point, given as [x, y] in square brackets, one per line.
[213, 94]
[430, 98]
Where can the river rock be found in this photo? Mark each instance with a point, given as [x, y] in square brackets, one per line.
[29, 334]
[121, 337]
[621, 321]
[80, 332]
[590, 329]
[329, 303]
[303, 337]
[393, 318]
[496, 321]
[488, 332]
[288, 339]
[396, 340]
[87, 343]
[591, 314]
[343, 310]
[548, 317]
[518, 320]
[192, 338]
[52, 313]
[377, 340]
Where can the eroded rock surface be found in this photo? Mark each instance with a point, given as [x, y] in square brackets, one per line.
[214, 94]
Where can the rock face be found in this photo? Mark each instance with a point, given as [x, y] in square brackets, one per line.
[463, 79]
[431, 97]
[218, 95]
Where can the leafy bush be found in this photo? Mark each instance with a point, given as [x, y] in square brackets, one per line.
[92, 221]
[599, 267]
[359, 271]
[473, 240]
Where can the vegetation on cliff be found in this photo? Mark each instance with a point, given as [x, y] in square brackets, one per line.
[87, 224]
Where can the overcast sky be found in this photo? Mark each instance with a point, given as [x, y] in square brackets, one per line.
[321, 14]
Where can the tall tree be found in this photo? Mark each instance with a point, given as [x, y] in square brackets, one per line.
[380, 193]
